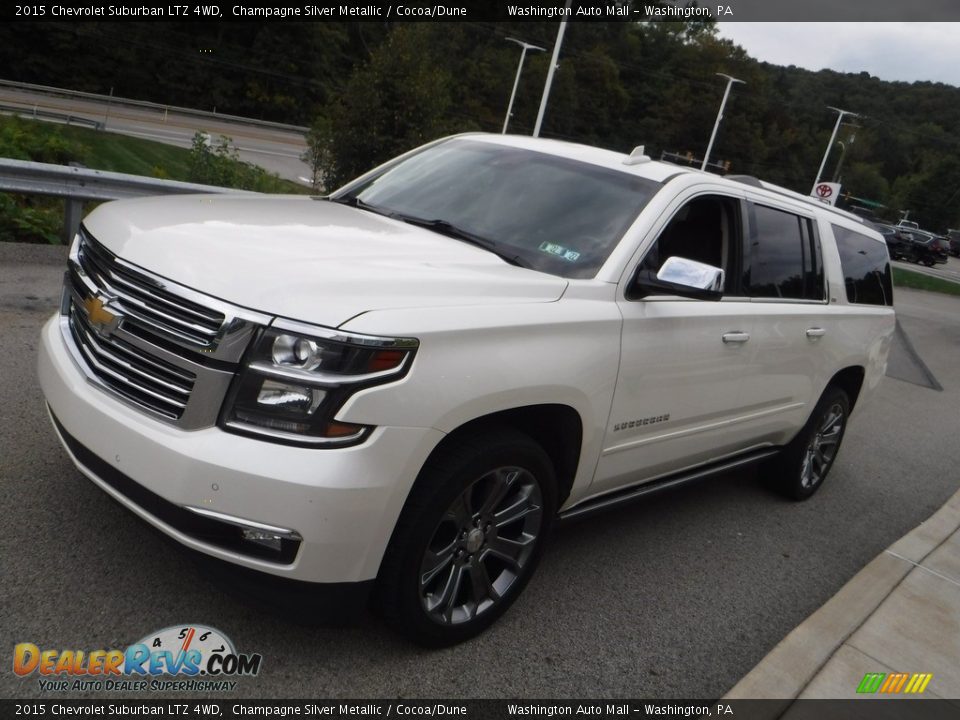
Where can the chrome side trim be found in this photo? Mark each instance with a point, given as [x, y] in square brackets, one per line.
[243, 523]
[671, 434]
[619, 497]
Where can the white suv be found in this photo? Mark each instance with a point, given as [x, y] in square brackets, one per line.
[401, 386]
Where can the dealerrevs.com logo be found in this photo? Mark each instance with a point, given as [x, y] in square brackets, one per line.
[183, 657]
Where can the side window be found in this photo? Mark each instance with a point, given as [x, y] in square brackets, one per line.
[706, 229]
[785, 260]
[866, 267]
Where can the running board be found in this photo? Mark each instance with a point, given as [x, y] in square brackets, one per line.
[619, 497]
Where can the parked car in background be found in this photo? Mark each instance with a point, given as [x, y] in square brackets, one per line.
[924, 247]
[897, 244]
[943, 247]
[954, 237]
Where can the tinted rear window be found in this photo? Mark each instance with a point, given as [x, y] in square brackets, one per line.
[866, 268]
[785, 257]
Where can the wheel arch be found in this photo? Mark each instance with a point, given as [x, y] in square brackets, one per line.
[850, 380]
[557, 428]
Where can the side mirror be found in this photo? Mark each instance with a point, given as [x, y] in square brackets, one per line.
[683, 277]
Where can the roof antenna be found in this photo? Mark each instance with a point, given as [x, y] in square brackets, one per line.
[637, 157]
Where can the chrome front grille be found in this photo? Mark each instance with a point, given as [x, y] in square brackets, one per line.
[159, 346]
[145, 380]
[145, 303]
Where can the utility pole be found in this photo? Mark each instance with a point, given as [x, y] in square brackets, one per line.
[833, 137]
[553, 66]
[516, 81]
[716, 125]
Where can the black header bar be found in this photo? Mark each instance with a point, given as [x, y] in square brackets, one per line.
[217, 11]
[51, 705]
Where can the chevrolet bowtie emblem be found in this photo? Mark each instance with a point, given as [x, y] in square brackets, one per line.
[102, 320]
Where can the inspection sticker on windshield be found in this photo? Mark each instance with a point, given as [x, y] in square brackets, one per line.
[560, 251]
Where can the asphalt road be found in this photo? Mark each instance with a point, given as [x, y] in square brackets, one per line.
[274, 149]
[678, 596]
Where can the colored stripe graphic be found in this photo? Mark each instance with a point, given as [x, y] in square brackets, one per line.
[893, 683]
[918, 683]
[871, 682]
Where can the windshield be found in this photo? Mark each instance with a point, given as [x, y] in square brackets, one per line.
[544, 212]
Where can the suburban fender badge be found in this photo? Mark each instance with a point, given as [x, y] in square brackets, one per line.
[629, 424]
[104, 322]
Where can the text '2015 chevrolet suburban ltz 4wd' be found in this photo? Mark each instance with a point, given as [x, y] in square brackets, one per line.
[399, 387]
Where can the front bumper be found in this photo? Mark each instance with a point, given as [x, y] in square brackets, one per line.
[342, 503]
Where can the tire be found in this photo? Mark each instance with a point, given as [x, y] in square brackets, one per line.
[469, 538]
[800, 469]
[929, 263]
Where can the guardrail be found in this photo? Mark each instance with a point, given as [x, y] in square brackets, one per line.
[35, 112]
[114, 100]
[77, 185]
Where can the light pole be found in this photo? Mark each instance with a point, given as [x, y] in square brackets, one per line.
[843, 151]
[716, 125]
[843, 154]
[833, 137]
[553, 66]
[516, 81]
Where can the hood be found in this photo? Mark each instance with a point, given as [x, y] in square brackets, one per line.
[308, 259]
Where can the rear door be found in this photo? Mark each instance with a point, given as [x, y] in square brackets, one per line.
[794, 331]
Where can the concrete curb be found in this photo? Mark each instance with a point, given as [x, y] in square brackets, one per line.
[795, 661]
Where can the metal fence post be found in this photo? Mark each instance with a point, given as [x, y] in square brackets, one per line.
[73, 212]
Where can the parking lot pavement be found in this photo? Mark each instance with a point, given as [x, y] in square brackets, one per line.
[677, 596]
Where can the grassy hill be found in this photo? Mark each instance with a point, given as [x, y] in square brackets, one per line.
[38, 219]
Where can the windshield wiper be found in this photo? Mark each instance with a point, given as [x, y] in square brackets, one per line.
[437, 225]
[447, 228]
[356, 202]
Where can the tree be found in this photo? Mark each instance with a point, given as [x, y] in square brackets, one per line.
[392, 104]
[319, 154]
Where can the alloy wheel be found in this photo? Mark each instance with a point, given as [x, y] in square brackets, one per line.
[822, 447]
[481, 546]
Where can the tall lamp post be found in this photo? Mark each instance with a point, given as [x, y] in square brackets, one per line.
[716, 125]
[553, 66]
[516, 81]
[833, 137]
[844, 146]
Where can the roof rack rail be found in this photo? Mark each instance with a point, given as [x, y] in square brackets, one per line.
[746, 180]
[786, 192]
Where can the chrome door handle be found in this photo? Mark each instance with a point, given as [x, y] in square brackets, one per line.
[815, 332]
[736, 337]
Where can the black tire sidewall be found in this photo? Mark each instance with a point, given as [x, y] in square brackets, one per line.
[442, 480]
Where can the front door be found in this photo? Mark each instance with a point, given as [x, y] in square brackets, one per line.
[683, 362]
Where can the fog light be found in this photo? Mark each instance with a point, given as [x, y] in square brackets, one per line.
[288, 396]
[264, 538]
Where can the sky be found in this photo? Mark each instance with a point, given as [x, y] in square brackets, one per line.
[905, 51]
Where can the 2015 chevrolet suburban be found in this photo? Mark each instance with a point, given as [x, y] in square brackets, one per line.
[402, 385]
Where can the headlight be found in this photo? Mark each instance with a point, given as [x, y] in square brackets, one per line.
[296, 378]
